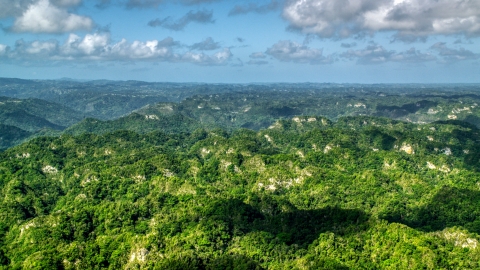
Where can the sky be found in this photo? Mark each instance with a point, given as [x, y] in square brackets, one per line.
[233, 41]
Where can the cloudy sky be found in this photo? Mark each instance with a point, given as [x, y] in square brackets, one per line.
[365, 41]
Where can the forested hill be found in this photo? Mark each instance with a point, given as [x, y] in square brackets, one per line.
[305, 193]
[35, 114]
[49, 107]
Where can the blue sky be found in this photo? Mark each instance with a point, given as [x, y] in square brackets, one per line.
[364, 41]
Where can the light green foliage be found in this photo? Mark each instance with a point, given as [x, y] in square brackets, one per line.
[359, 193]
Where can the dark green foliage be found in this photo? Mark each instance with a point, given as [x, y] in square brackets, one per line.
[36, 114]
[11, 135]
[175, 123]
[300, 195]
[166, 188]
[448, 208]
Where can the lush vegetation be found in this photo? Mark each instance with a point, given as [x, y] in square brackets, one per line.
[306, 193]
[137, 175]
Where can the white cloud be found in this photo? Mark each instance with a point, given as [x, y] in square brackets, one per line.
[39, 47]
[376, 54]
[99, 46]
[13, 8]
[257, 55]
[3, 49]
[450, 55]
[219, 58]
[288, 51]
[201, 16]
[140, 50]
[407, 18]
[44, 17]
[207, 45]
[93, 43]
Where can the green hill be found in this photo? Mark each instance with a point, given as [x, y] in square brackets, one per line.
[35, 114]
[359, 193]
[11, 135]
[174, 123]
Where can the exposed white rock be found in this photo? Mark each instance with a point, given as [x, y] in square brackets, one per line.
[49, 169]
[459, 110]
[447, 151]
[27, 226]
[168, 173]
[431, 166]
[276, 125]
[88, 180]
[407, 148]
[444, 169]
[81, 197]
[327, 149]
[461, 239]
[139, 178]
[432, 111]
[139, 255]
[23, 155]
[452, 116]
[151, 117]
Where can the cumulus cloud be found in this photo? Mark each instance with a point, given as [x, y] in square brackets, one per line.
[202, 16]
[9, 8]
[207, 45]
[376, 54]
[408, 19]
[255, 8]
[45, 17]
[288, 51]
[3, 49]
[450, 55]
[257, 55]
[99, 46]
[219, 58]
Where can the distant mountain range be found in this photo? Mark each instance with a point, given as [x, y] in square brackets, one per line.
[76, 107]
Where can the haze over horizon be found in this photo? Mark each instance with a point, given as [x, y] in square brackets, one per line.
[218, 41]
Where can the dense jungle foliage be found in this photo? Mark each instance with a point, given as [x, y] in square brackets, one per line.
[305, 193]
